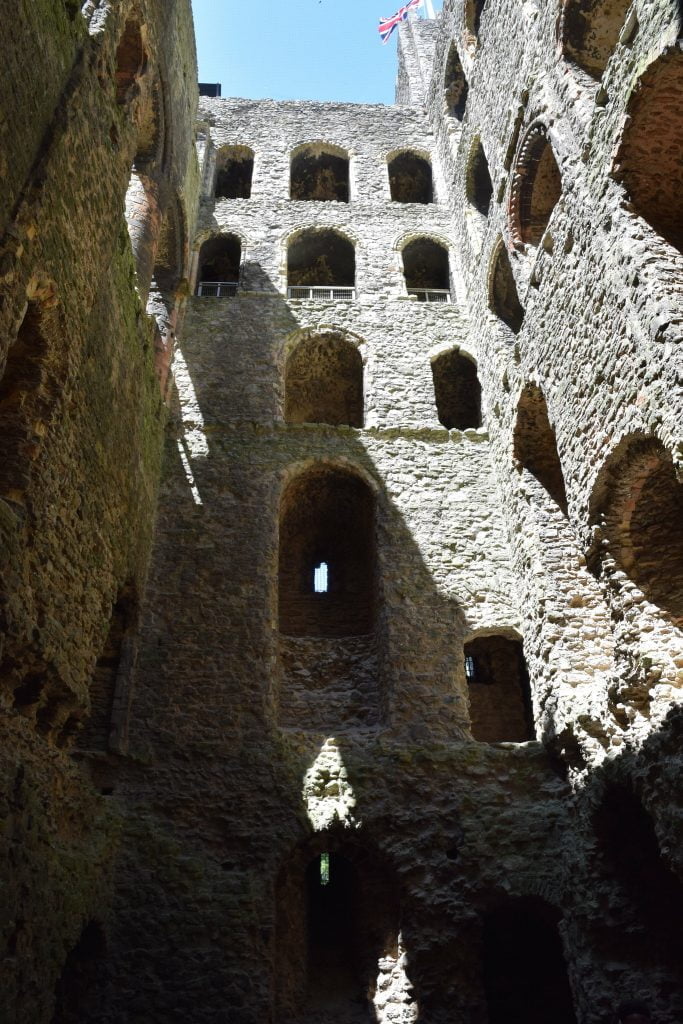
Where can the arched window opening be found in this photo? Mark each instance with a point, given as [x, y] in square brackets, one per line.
[337, 931]
[455, 85]
[457, 391]
[113, 657]
[590, 31]
[321, 264]
[219, 266]
[327, 515]
[234, 171]
[410, 179]
[503, 297]
[426, 270]
[321, 173]
[536, 187]
[499, 693]
[650, 160]
[473, 12]
[324, 382]
[131, 61]
[642, 505]
[628, 844]
[535, 447]
[77, 995]
[525, 974]
[478, 181]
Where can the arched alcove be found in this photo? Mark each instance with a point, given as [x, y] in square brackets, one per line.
[650, 159]
[321, 258]
[535, 447]
[410, 178]
[457, 391]
[455, 84]
[590, 31]
[327, 516]
[640, 501]
[324, 382]
[524, 969]
[426, 270]
[131, 60]
[503, 297]
[498, 688]
[631, 855]
[219, 266]
[337, 934]
[478, 184]
[96, 733]
[319, 172]
[77, 995]
[234, 172]
[536, 186]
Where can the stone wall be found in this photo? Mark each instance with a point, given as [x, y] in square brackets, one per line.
[82, 421]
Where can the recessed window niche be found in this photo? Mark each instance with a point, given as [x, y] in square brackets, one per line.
[234, 171]
[327, 643]
[455, 85]
[498, 688]
[337, 936]
[503, 297]
[650, 157]
[457, 391]
[324, 382]
[535, 447]
[426, 270]
[319, 172]
[410, 178]
[590, 31]
[321, 264]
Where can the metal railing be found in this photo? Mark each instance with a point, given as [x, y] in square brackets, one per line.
[217, 289]
[298, 291]
[431, 294]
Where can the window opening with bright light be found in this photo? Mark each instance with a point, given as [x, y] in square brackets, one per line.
[320, 581]
[324, 868]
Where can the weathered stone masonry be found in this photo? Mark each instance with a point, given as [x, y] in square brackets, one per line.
[447, 787]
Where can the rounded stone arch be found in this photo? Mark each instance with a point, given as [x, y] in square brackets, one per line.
[327, 516]
[502, 290]
[649, 161]
[324, 378]
[536, 186]
[320, 254]
[457, 391]
[637, 501]
[588, 32]
[320, 170]
[410, 172]
[425, 261]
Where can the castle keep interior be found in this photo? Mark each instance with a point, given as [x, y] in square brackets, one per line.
[341, 552]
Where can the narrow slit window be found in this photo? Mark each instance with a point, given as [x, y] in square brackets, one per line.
[470, 669]
[320, 582]
[324, 868]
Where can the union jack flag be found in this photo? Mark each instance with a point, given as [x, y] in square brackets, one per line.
[387, 25]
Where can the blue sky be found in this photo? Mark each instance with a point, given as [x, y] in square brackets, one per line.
[297, 49]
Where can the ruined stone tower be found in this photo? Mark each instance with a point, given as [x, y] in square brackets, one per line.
[340, 527]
